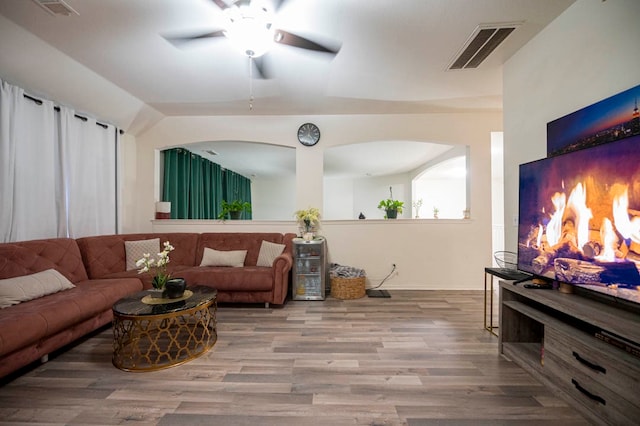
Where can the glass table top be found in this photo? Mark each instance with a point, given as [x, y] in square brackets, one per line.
[133, 305]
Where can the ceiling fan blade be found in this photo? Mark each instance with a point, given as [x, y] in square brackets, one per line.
[277, 4]
[180, 40]
[221, 4]
[290, 39]
[225, 5]
[263, 67]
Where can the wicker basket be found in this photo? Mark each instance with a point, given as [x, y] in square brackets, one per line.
[348, 288]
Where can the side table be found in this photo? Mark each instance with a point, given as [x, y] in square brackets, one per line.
[505, 274]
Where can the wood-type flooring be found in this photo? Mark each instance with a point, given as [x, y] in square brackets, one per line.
[417, 358]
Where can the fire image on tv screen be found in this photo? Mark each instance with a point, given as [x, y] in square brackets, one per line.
[579, 218]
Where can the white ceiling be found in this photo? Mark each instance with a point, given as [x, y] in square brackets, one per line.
[393, 58]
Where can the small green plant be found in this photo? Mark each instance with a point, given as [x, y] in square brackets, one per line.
[234, 209]
[390, 206]
[417, 205]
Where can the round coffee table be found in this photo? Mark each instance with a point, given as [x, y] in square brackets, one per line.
[151, 334]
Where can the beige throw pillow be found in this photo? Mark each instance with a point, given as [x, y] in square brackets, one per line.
[29, 287]
[268, 253]
[135, 250]
[234, 258]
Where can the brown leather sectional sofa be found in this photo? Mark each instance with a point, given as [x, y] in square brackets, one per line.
[97, 267]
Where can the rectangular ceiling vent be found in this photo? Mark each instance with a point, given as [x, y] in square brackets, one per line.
[56, 7]
[484, 40]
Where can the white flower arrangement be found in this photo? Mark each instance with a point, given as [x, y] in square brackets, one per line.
[146, 264]
[309, 217]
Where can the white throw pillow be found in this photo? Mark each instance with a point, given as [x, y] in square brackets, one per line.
[29, 287]
[135, 250]
[268, 253]
[234, 258]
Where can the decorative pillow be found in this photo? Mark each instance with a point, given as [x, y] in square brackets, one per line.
[234, 258]
[268, 253]
[135, 250]
[29, 287]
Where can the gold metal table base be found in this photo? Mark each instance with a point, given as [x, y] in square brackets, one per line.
[154, 342]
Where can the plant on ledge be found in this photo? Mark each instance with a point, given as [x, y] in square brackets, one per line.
[390, 206]
[146, 264]
[308, 219]
[234, 209]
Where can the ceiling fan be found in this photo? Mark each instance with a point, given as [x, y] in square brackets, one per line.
[250, 28]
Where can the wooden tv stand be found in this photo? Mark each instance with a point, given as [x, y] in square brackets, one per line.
[572, 344]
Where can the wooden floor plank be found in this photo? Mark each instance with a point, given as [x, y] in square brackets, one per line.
[417, 358]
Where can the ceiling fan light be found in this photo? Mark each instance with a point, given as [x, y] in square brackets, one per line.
[250, 29]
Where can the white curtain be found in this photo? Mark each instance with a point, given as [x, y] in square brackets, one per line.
[88, 178]
[29, 153]
[10, 98]
[58, 171]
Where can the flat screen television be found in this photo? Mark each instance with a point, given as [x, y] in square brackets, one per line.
[579, 218]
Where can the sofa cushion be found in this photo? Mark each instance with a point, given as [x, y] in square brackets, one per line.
[245, 279]
[233, 258]
[135, 250]
[30, 322]
[268, 253]
[250, 241]
[28, 287]
[27, 257]
[105, 255]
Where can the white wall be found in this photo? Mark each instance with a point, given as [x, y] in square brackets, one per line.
[430, 254]
[31, 63]
[339, 196]
[273, 198]
[346, 198]
[588, 53]
[497, 190]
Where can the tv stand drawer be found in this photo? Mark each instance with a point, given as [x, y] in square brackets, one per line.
[604, 363]
[590, 393]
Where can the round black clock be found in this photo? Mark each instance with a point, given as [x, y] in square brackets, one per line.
[308, 134]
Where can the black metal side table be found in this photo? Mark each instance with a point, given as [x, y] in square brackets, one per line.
[505, 274]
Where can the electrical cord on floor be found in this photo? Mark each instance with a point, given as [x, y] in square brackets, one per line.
[385, 278]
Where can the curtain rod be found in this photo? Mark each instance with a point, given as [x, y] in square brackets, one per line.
[57, 108]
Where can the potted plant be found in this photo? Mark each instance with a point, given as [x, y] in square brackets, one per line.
[308, 220]
[234, 209]
[162, 282]
[391, 207]
[417, 205]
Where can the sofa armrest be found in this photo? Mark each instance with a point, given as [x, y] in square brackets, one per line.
[284, 262]
[280, 270]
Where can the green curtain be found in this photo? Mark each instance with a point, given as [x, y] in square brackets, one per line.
[212, 189]
[177, 164]
[237, 187]
[196, 186]
[244, 189]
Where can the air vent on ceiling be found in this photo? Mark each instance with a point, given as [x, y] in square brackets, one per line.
[56, 7]
[210, 152]
[484, 40]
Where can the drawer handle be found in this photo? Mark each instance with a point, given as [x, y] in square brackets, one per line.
[587, 393]
[589, 364]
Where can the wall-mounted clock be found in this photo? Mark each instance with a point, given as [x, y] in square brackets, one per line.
[308, 134]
